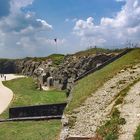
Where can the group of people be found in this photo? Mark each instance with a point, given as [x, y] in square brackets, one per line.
[3, 76]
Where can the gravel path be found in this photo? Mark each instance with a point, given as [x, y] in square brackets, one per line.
[130, 110]
[96, 108]
[6, 95]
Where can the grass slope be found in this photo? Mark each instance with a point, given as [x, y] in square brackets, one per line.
[26, 94]
[56, 58]
[91, 51]
[88, 85]
[38, 130]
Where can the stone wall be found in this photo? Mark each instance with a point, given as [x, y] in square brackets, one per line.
[65, 74]
[61, 76]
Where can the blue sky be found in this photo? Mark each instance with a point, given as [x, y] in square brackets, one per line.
[57, 11]
[28, 27]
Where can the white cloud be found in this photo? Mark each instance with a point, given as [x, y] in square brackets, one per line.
[112, 31]
[24, 34]
[51, 42]
[44, 23]
[81, 24]
[16, 5]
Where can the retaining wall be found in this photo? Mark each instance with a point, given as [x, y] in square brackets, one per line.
[38, 110]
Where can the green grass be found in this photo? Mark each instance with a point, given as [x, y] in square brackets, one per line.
[91, 51]
[137, 134]
[25, 93]
[109, 131]
[37, 130]
[88, 85]
[56, 58]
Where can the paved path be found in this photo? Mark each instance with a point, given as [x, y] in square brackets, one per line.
[95, 110]
[130, 110]
[6, 95]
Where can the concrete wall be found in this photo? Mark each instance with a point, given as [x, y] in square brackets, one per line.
[37, 111]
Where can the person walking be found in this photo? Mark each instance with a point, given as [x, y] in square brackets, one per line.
[5, 78]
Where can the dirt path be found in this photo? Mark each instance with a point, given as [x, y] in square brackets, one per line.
[130, 110]
[6, 94]
[96, 108]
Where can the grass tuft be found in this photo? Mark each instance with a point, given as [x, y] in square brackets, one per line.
[137, 134]
[110, 130]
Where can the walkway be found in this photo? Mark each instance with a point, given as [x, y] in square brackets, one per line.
[96, 109]
[6, 95]
[130, 110]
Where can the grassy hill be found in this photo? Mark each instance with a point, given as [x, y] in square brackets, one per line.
[56, 58]
[88, 85]
[30, 130]
[85, 87]
[91, 51]
[25, 93]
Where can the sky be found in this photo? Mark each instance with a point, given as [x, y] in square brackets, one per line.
[29, 27]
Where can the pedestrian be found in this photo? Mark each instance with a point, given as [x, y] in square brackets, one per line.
[5, 78]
